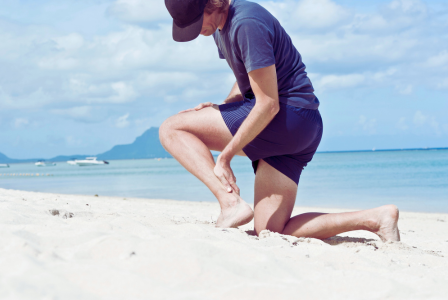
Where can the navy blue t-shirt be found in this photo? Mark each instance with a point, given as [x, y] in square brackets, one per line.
[252, 39]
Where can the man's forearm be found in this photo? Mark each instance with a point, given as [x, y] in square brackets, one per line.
[260, 116]
[234, 95]
[264, 84]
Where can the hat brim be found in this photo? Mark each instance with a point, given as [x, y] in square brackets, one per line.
[188, 33]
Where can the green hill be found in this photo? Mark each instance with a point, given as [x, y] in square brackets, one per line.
[145, 146]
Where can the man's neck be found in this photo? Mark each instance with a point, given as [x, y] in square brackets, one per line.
[224, 17]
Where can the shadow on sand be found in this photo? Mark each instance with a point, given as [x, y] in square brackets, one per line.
[338, 240]
[333, 241]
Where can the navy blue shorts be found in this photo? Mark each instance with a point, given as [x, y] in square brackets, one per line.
[288, 143]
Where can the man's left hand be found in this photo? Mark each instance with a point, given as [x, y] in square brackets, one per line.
[199, 107]
[225, 174]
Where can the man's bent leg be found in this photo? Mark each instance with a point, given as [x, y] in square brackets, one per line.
[274, 200]
[275, 195]
[189, 137]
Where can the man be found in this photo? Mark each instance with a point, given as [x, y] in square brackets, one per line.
[271, 116]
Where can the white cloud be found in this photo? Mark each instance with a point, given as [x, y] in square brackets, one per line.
[442, 83]
[122, 92]
[401, 124]
[409, 7]
[406, 89]
[72, 141]
[440, 60]
[85, 114]
[133, 62]
[21, 122]
[419, 118]
[75, 112]
[368, 125]
[118, 67]
[392, 17]
[308, 14]
[122, 122]
[445, 128]
[70, 42]
[384, 75]
[334, 82]
[140, 11]
[143, 123]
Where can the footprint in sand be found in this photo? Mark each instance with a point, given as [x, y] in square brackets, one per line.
[61, 213]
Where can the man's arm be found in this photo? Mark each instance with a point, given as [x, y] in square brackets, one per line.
[264, 85]
[234, 95]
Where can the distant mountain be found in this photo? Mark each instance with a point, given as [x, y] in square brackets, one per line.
[145, 146]
[6, 160]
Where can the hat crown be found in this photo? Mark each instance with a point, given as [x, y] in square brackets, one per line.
[185, 12]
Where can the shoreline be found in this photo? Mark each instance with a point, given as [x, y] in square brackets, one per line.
[323, 208]
[75, 246]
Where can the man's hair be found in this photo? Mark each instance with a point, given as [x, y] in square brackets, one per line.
[213, 5]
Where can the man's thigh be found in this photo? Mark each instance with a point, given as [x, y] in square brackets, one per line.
[207, 124]
[275, 195]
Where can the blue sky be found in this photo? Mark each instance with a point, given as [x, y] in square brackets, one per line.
[78, 77]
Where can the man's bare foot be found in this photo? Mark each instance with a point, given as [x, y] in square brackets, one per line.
[237, 213]
[385, 222]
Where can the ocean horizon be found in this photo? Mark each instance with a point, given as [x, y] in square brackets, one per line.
[413, 179]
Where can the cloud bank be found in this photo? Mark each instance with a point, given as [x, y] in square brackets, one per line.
[78, 89]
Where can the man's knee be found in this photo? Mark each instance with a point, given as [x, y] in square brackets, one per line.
[271, 225]
[166, 131]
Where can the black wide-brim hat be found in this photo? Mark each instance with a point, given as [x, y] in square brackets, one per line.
[188, 16]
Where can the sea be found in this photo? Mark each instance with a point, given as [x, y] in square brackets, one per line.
[412, 180]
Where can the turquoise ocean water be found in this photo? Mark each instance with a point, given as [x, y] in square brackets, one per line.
[413, 180]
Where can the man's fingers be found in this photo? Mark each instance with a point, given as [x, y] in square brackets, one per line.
[202, 105]
[235, 188]
[225, 183]
[187, 110]
[199, 107]
[232, 181]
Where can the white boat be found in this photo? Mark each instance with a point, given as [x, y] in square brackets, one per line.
[4, 166]
[43, 163]
[89, 161]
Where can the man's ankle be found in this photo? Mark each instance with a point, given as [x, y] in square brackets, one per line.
[228, 200]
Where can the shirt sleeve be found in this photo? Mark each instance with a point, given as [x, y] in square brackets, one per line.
[254, 44]
[221, 56]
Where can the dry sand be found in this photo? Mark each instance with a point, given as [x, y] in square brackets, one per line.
[84, 247]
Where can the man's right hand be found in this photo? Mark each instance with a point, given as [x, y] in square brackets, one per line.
[199, 107]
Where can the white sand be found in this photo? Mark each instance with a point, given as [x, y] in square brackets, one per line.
[113, 248]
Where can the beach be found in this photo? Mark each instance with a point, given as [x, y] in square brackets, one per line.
[58, 246]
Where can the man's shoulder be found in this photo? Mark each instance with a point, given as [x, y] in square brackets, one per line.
[248, 13]
[248, 6]
[249, 10]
